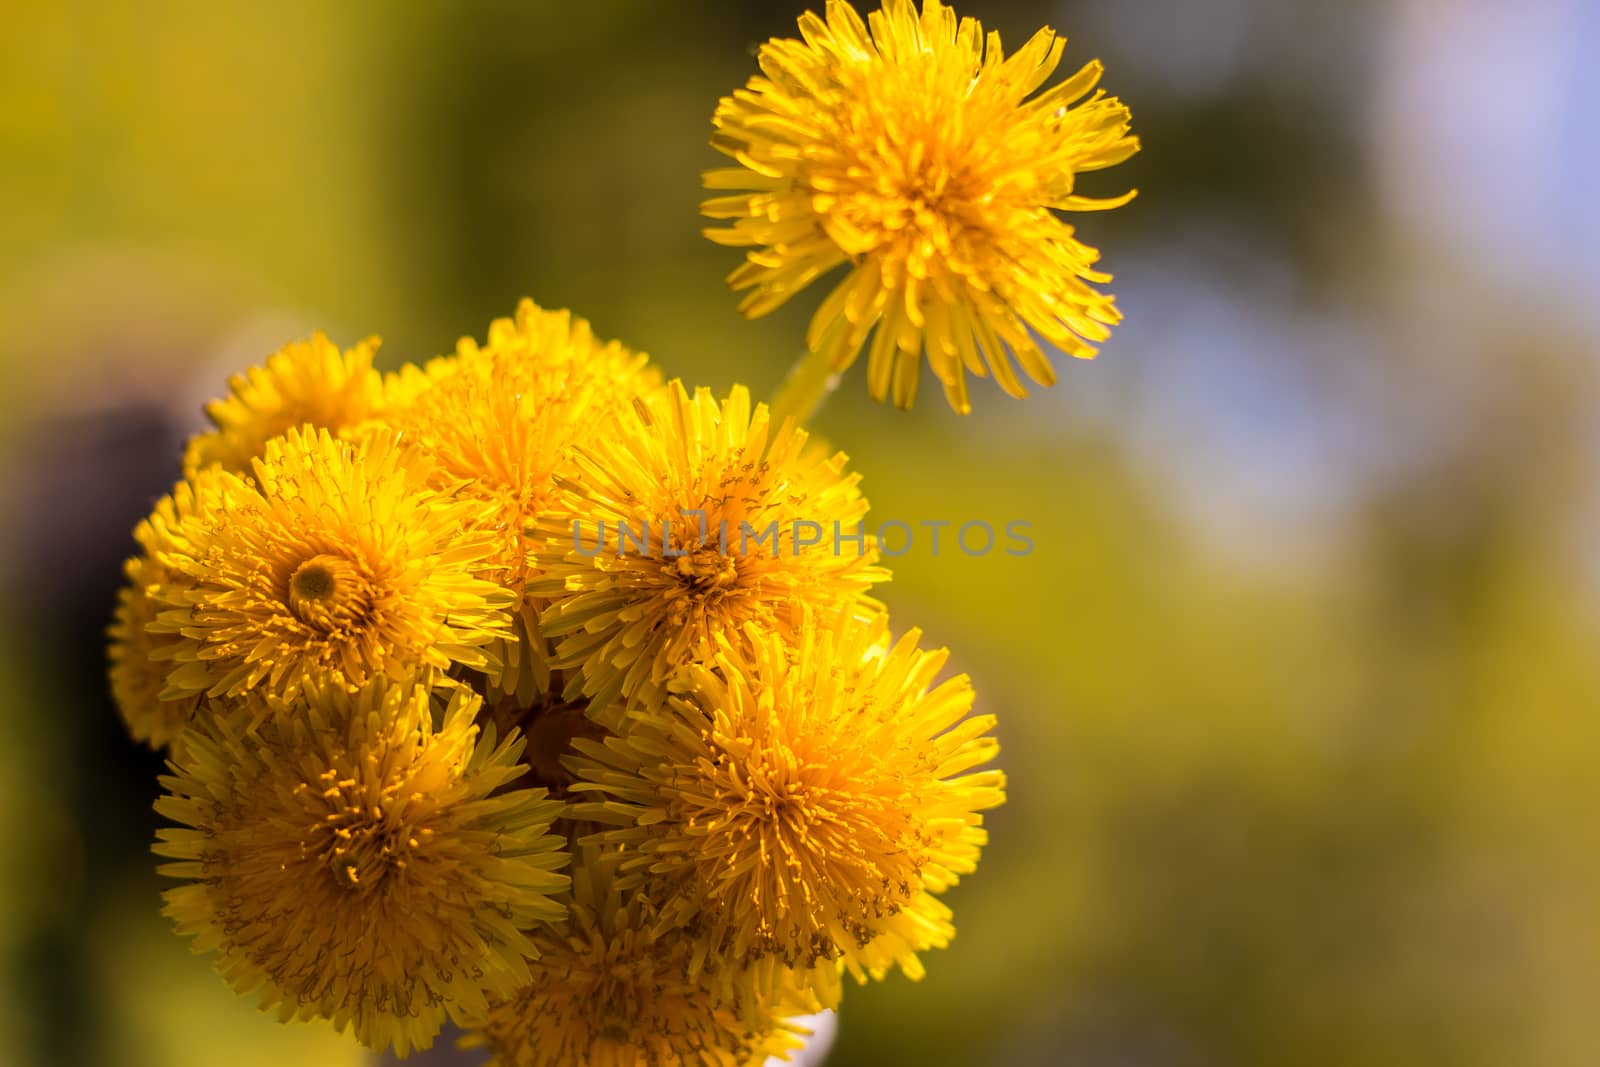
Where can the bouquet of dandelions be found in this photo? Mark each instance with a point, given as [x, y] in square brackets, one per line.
[518, 690]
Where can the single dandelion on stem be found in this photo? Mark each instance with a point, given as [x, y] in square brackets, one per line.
[911, 152]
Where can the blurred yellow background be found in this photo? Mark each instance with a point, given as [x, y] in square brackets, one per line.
[1299, 686]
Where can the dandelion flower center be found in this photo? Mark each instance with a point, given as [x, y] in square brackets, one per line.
[314, 580]
[705, 569]
[360, 838]
[325, 588]
[907, 184]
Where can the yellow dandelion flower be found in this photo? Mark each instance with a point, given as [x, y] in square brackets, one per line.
[692, 519]
[357, 863]
[606, 991]
[403, 387]
[140, 657]
[910, 149]
[333, 557]
[137, 676]
[499, 420]
[304, 382]
[799, 805]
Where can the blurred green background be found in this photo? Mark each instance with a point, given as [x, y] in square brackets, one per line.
[1299, 688]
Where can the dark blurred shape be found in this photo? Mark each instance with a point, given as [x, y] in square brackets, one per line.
[80, 484]
[444, 1053]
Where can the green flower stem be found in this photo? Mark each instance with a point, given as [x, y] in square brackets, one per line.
[810, 381]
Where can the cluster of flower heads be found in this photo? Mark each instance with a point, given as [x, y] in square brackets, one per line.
[433, 760]
[436, 758]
